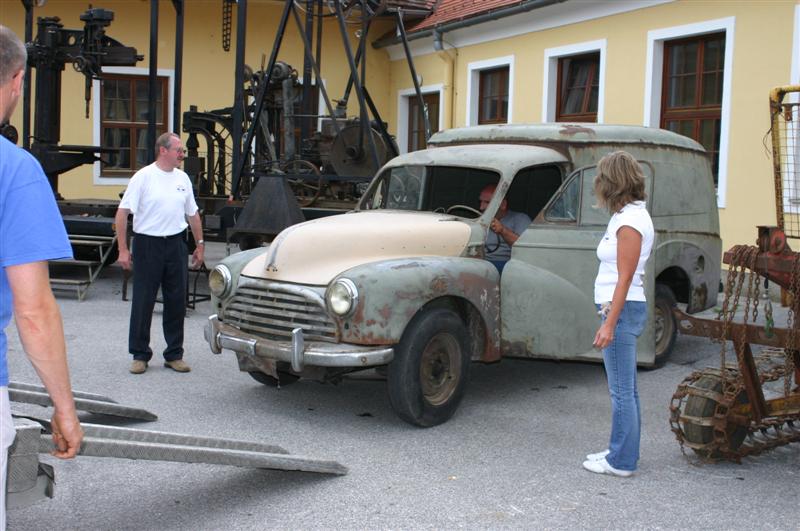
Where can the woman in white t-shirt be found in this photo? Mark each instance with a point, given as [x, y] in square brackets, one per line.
[619, 295]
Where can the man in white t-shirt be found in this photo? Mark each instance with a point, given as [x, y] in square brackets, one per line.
[504, 231]
[161, 199]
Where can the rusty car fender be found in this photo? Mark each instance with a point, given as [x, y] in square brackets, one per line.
[392, 292]
[702, 268]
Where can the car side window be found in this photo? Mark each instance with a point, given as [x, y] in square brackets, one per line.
[592, 213]
[565, 205]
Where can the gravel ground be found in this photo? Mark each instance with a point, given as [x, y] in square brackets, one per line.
[510, 458]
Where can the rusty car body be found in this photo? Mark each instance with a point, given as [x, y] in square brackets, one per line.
[401, 283]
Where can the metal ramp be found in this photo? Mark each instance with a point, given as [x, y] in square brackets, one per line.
[29, 480]
[91, 253]
[89, 402]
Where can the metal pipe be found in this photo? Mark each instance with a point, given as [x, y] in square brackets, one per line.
[238, 97]
[305, 123]
[349, 87]
[359, 91]
[287, 93]
[465, 23]
[449, 76]
[153, 83]
[26, 90]
[391, 145]
[238, 167]
[417, 90]
[315, 66]
[176, 102]
[319, 38]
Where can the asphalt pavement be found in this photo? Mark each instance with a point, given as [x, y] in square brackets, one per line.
[510, 457]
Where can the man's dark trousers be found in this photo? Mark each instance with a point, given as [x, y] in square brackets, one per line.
[158, 261]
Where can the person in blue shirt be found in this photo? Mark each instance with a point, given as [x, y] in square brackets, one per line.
[31, 232]
[505, 228]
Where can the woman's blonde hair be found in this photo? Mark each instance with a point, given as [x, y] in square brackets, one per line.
[619, 181]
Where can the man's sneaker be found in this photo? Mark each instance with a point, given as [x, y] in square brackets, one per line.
[138, 367]
[177, 365]
[601, 466]
[598, 456]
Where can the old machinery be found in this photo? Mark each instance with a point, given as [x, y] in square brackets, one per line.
[88, 50]
[276, 130]
[732, 411]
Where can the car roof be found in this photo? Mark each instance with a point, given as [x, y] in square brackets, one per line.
[500, 157]
[567, 133]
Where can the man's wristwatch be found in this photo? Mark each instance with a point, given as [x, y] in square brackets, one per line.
[200, 242]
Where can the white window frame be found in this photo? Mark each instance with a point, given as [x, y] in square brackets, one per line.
[403, 97]
[654, 82]
[550, 77]
[474, 70]
[791, 203]
[97, 178]
[795, 76]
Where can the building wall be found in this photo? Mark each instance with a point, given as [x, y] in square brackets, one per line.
[763, 37]
[207, 70]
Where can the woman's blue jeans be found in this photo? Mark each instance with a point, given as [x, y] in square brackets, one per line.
[620, 362]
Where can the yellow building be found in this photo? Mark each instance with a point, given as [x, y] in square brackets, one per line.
[207, 75]
[700, 67]
[703, 68]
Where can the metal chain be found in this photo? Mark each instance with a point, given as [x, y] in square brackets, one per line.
[733, 292]
[227, 17]
[769, 321]
[791, 325]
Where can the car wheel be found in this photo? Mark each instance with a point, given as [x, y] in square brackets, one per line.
[665, 325]
[430, 369]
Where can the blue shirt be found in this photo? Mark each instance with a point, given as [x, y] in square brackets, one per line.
[31, 228]
[517, 222]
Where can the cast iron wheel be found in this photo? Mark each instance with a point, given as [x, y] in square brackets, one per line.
[286, 378]
[703, 407]
[307, 191]
[665, 325]
[430, 369]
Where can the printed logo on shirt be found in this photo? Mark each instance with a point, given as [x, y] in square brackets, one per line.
[180, 188]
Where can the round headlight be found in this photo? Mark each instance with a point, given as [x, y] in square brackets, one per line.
[342, 296]
[219, 281]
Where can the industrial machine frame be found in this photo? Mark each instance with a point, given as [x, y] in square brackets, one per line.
[724, 412]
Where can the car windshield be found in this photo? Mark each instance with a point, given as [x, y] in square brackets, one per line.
[429, 189]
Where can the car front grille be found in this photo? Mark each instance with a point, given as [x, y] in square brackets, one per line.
[272, 310]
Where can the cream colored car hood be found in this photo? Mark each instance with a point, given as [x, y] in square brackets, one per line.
[316, 251]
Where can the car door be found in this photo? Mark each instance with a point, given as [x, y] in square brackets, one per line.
[547, 288]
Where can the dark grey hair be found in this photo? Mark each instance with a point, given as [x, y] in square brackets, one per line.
[13, 55]
[165, 139]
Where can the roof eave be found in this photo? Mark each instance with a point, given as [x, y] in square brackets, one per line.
[480, 18]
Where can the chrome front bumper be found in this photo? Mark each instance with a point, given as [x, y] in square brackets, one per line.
[297, 352]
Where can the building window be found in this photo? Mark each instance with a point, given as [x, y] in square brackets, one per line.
[692, 91]
[578, 88]
[416, 121]
[124, 105]
[493, 96]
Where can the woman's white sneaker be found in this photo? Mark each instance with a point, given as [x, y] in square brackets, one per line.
[601, 466]
[598, 456]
